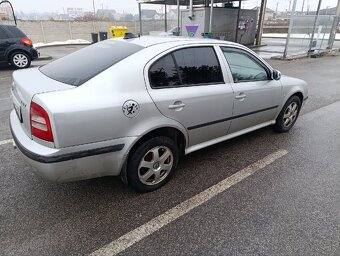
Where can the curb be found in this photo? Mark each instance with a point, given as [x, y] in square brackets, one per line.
[41, 58]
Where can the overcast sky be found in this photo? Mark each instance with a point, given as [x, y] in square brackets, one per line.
[131, 5]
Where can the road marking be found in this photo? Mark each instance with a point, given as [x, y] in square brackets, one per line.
[3, 142]
[5, 98]
[4, 78]
[134, 236]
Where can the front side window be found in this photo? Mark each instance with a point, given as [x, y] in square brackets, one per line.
[243, 67]
[186, 67]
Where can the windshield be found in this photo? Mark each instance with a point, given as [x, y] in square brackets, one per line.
[79, 67]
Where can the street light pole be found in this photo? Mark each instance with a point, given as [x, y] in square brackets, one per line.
[314, 27]
[334, 27]
[94, 8]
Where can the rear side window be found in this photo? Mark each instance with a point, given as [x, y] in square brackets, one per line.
[198, 65]
[163, 73]
[79, 67]
[14, 32]
[186, 67]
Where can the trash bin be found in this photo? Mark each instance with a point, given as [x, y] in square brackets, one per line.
[102, 35]
[118, 31]
[94, 37]
[207, 35]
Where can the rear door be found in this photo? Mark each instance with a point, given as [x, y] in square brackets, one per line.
[257, 97]
[188, 85]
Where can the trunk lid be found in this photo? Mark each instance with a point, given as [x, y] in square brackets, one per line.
[27, 83]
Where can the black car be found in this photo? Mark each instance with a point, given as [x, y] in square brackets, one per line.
[15, 47]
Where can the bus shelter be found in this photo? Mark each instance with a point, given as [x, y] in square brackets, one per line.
[190, 4]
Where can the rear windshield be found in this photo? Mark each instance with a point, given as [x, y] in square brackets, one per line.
[14, 32]
[79, 67]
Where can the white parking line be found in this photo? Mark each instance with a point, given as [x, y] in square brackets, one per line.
[3, 142]
[5, 98]
[171, 215]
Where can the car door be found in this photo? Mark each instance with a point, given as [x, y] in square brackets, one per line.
[257, 97]
[188, 85]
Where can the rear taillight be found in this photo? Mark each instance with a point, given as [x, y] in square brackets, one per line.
[40, 123]
[26, 41]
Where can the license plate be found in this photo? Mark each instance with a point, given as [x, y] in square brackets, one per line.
[18, 111]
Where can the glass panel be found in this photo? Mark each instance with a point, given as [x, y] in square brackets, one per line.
[15, 32]
[198, 65]
[163, 73]
[302, 31]
[80, 66]
[304, 23]
[243, 67]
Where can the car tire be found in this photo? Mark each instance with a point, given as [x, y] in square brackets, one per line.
[288, 115]
[152, 164]
[20, 60]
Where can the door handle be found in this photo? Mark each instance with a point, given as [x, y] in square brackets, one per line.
[241, 96]
[177, 105]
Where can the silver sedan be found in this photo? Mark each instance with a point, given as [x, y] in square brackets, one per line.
[132, 107]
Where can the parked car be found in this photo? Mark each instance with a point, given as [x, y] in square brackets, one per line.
[15, 47]
[133, 107]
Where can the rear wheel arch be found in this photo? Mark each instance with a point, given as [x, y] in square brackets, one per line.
[299, 94]
[173, 133]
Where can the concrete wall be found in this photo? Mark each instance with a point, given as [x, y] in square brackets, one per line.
[50, 31]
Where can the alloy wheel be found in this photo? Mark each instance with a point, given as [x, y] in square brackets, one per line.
[20, 60]
[155, 165]
[290, 114]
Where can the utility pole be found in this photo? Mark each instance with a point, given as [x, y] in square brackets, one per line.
[314, 26]
[303, 5]
[277, 6]
[94, 8]
[335, 27]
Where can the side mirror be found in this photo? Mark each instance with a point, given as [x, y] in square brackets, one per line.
[276, 74]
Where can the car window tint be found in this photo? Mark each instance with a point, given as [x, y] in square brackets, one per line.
[3, 34]
[198, 65]
[163, 73]
[80, 66]
[15, 32]
[243, 67]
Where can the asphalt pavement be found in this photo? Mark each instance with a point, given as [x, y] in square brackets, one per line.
[289, 207]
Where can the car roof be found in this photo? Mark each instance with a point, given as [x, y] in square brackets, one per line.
[147, 41]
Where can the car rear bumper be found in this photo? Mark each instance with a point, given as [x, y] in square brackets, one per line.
[72, 163]
[34, 53]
